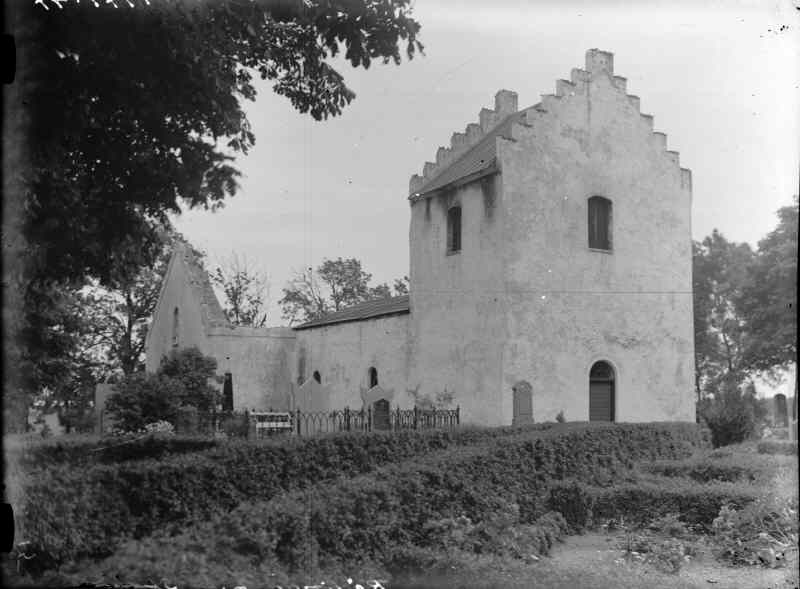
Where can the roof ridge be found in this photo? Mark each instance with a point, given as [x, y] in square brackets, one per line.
[364, 310]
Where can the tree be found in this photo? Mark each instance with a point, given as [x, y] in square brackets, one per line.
[731, 414]
[336, 285]
[303, 298]
[246, 292]
[768, 298]
[182, 380]
[131, 114]
[139, 109]
[719, 270]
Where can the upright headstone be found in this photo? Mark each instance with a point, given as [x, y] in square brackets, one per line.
[781, 411]
[102, 391]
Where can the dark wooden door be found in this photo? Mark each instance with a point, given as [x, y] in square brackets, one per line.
[380, 414]
[601, 400]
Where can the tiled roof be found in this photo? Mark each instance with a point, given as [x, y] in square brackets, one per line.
[477, 158]
[368, 310]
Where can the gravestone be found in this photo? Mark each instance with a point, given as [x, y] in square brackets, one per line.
[781, 412]
[523, 403]
[380, 414]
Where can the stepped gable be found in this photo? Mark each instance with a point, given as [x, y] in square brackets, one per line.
[474, 153]
[199, 282]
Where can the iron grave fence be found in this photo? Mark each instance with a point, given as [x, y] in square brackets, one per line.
[262, 424]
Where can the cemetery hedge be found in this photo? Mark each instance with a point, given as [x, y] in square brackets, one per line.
[740, 467]
[290, 496]
[584, 505]
[777, 447]
[86, 450]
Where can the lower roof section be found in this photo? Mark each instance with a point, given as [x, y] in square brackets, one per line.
[369, 310]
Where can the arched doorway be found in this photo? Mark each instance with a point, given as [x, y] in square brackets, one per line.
[601, 392]
[380, 414]
[523, 403]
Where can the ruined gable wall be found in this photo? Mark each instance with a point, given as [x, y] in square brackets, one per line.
[176, 292]
[570, 306]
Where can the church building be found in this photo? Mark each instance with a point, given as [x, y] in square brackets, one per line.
[550, 271]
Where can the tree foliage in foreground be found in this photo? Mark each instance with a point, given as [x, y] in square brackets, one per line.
[140, 109]
[132, 113]
[335, 285]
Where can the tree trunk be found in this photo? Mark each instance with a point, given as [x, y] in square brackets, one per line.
[16, 166]
[793, 418]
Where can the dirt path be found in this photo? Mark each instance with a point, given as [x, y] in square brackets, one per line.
[598, 555]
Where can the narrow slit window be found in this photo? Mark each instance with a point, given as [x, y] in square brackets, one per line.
[373, 377]
[454, 229]
[317, 376]
[599, 223]
[176, 326]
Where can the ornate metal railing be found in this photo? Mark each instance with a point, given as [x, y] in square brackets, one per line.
[307, 423]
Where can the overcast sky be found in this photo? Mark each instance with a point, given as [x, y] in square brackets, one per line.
[722, 81]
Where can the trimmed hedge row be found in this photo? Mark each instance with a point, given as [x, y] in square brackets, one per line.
[87, 507]
[741, 467]
[84, 450]
[777, 447]
[371, 515]
[639, 502]
[81, 450]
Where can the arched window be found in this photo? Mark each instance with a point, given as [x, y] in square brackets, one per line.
[372, 377]
[601, 392]
[454, 229]
[599, 223]
[317, 376]
[175, 327]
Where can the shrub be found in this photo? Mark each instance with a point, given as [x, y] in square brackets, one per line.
[182, 380]
[367, 516]
[81, 451]
[777, 447]
[560, 417]
[732, 416]
[236, 426]
[643, 501]
[715, 467]
[759, 533]
[134, 498]
[187, 420]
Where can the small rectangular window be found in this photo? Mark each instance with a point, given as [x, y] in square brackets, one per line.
[599, 223]
[454, 229]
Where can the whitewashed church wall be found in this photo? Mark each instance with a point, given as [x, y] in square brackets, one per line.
[343, 354]
[570, 306]
[457, 301]
[259, 361]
